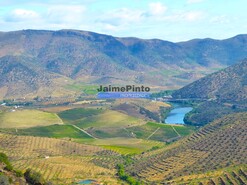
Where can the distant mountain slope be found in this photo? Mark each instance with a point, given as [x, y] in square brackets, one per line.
[20, 77]
[96, 58]
[220, 145]
[228, 85]
[225, 92]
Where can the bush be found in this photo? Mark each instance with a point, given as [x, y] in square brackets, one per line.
[18, 173]
[8, 167]
[121, 173]
[33, 177]
[4, 159]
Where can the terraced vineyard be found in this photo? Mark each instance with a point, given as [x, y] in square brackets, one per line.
[219, 145]
[93, 141]
[228, 176]
[60, 160]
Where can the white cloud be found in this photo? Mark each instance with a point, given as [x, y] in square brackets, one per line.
[189, 16]
[157, 8]
[192, 16]
[221, 19]
[19, 15]
[121, 16]
[119, 20]
[65, 14]
[194, 1]
[110, 27]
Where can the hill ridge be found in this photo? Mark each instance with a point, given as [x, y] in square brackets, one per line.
[88, 57]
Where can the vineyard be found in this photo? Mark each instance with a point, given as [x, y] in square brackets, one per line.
[60, 160]
[226, 176]
[92, 141]
[219, 145]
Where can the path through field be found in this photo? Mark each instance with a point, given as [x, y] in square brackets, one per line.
[176, 131]
[84, 131]
[153, 133]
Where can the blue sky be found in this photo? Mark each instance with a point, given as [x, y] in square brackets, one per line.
[173, 20]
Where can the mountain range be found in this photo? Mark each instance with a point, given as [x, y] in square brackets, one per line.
[46, 63]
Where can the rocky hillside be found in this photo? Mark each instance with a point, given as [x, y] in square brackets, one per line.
[30, 60]
[228, 85]
[223, 92]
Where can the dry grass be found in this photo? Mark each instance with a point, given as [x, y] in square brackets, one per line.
[27, 118]
[56, 109]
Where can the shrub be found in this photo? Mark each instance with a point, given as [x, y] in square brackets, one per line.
[123, 176]
[18, 173]
[4, 159]
[33, 177]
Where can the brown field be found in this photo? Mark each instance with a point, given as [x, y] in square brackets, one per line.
[56, 109]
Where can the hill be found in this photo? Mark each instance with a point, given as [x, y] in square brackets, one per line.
[228, 85]
[213, 155]
[225, 92]
[47, 63]
[60, 161]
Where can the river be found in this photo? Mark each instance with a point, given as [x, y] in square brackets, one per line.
[176, 116]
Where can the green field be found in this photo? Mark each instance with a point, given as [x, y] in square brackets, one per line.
[108, 118]
[54, 131]
[125, 146]
[78, 113]
[81, 87]
[109, 123]
[27, 118]
[163, 131]
[113, 130]
[98, 118]
[101, 123]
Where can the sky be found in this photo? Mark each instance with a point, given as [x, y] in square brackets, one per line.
[172, 20]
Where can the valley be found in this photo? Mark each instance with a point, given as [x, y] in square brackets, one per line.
[102, 135]
[79, 134]
[192, 129]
